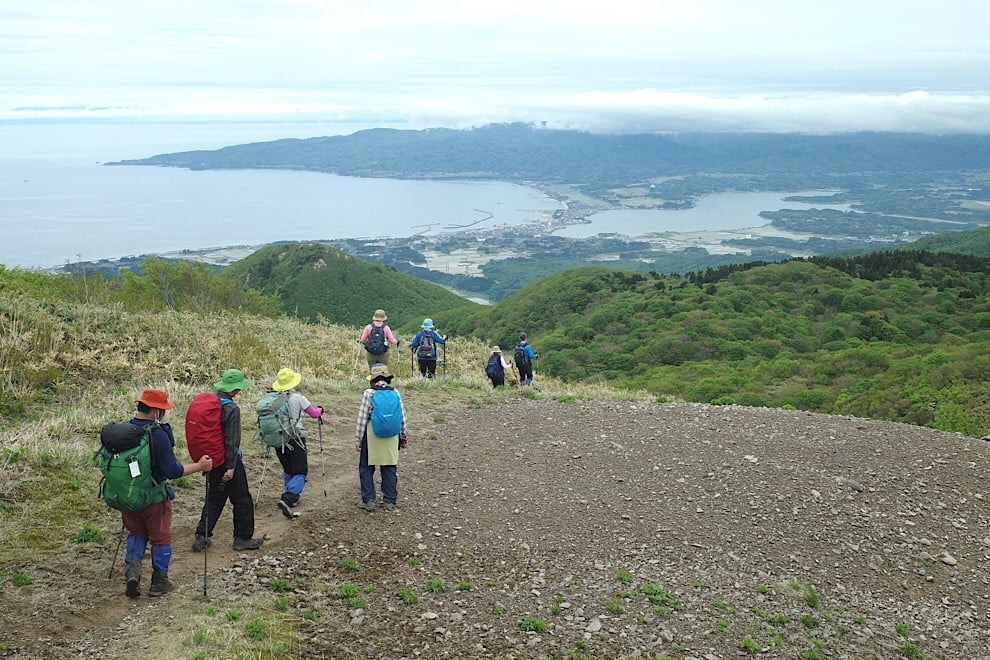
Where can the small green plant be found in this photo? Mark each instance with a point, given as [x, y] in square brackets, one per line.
[624, 576]
[464, 585]
[903, 630]
[614, 605]
[532, 624]
[499, 609]
[20, 580]
[721, 626]
[413, 561]
[310, 615]
[408, 596]
[910, 650]
[436, 585]
[356, 603]
[279, 585]
[747, 645]
[198, 637]
[233, 615]
[764, 589]
[809, 621]
[348, 564]
[88, 534]
[581, 645]
[348, 590]
[281, 603]
[369, 588]
[861, 620]
[256, 629]
[718, 605]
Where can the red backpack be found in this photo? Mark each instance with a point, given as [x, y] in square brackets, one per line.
[204, 433]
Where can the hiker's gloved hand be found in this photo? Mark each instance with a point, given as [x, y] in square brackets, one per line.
[536, 356]
[444, 337]
[403, 441]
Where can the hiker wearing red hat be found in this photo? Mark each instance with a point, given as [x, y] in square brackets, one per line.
[153, 524]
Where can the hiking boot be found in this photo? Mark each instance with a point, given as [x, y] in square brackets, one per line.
[201, 543]
[286, 509]
[368, 506]
[132, 577]
[388, 506]
[160, 584]
[247, 544]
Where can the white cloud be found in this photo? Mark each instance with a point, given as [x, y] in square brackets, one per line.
[653, 64]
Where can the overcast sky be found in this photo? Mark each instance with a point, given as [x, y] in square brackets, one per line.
[620, 65]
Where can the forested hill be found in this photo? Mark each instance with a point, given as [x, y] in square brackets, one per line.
[313, 280]
[519, 152]
[903, 336]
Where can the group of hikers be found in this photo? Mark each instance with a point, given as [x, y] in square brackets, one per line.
[137, 458]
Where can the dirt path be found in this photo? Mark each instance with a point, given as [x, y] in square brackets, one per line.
[602, 529]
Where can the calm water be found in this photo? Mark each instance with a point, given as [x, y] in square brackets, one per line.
[738, 210]
[54, 212]
[59, 204]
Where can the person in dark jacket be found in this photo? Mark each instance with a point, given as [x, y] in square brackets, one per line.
[153, 524]
[228, 481]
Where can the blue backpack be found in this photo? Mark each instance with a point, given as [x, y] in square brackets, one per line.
[495, 368]
[386, 413]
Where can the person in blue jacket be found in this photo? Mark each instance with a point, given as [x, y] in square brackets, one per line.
[524, 356]
[424, 347]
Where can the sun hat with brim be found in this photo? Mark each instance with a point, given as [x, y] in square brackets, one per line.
[427, 324]
[156, 399]
[379, 315]
[496, 349]
[286, 380]
[232, 379]
[380, 371]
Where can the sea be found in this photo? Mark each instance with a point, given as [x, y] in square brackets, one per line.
[60, 202]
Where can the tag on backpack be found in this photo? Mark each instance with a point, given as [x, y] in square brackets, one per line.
[135, 469]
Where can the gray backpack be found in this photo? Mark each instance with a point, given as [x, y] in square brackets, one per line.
[275, 428]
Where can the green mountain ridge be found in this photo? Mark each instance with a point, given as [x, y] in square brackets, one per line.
[315, 280]
[521, 152]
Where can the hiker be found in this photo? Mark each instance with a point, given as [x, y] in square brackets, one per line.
[376, 337]
[382, 451]
[213, 425]
[292, 455]
[524, 357]
[424, 346]
[495, 369]
[154, 523]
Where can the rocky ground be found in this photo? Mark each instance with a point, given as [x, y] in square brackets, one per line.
[535, 528]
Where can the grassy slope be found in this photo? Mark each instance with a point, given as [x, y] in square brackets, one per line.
[314, 280]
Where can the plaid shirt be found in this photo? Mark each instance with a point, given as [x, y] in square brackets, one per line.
[364, 416]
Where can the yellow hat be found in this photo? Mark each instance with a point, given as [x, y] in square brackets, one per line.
[286, 380]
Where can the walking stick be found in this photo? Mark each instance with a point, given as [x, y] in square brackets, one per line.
[323, 466]
[412, 358]
[120, 540]
[206, 530]
[443, 364]
[356, 357]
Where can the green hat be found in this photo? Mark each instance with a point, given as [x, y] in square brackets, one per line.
[232, 379]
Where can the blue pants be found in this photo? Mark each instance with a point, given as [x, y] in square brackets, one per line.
[390, 479]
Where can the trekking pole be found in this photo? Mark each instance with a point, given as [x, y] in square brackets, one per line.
[323, 466]
[206, 530]
[120, 540]
[443, 364]
[412, 358]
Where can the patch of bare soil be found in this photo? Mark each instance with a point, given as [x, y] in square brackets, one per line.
[597, 529]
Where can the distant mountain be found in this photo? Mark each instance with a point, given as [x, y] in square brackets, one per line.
[314, 280]
[520, 152]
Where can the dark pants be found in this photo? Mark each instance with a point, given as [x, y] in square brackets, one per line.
[497, 380]
[525, 373]
[428, 367]
[235, 490]
[376, 358]
[295, 467]
[390, 478]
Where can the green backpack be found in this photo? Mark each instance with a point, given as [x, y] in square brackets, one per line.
[125, 460]
[275, 428]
